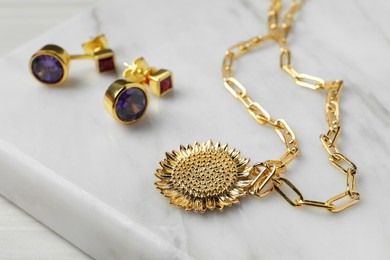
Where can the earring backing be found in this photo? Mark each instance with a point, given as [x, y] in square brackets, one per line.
[50, 65]
[127, 99]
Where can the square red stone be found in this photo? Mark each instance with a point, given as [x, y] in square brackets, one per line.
[106, 64]
[165, 84]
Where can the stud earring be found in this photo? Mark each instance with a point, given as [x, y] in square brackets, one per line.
[50, 65]
[127, 99]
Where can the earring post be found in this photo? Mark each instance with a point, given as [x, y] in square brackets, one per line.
[81, 57]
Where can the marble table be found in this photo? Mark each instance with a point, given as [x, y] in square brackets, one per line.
[66, 162]
[22, 236]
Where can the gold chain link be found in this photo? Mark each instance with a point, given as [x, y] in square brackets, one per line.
[266, 176]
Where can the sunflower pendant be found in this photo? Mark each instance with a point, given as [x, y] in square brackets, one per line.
[203, 176]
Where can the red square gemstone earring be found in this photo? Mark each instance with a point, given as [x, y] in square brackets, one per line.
[50, 65]
[127, 99]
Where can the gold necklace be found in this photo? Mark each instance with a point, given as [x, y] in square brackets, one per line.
[210, 176]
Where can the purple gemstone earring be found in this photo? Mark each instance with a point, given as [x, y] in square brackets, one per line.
[50, 65]
[127, 99]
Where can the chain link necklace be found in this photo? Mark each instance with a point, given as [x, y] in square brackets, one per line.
[212, 176]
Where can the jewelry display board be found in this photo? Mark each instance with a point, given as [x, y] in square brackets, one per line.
[68, 163]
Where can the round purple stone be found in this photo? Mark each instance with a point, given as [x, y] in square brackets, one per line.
[131, 104]
[47, 69]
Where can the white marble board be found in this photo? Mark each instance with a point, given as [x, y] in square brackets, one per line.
[64, 160]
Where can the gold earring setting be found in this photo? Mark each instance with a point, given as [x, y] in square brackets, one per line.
[50, 65]
[127, 99]
[159, 80]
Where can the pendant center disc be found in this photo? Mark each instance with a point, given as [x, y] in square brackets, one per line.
[206, 173]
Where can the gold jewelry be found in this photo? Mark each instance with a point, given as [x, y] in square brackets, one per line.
[210, 176]
[50, 65]
[127, 99]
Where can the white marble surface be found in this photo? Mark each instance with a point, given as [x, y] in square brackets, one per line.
[66, 162]
[22, 236]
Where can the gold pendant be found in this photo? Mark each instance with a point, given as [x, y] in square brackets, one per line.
[203, 176]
